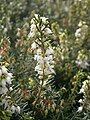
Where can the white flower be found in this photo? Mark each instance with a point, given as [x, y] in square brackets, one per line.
[40, 77]
[47, 31]
[39, 52]
[84, 86]
[8, 80]
[3, 83]
[4, 90]
[49, 51]
[80, 109]
[52, 70]
[80, 23]
[32, 31]
[13, 109]
[10, 88]
[42, 28]
[80, 101]
[81, 90]
[5, 30]
[82, 60]
[85, 82]
[40, 72]
[44, 19]
[34, 45]
[31, 34]
[4, 69]
[38, 58]
[2, 26]
[32, 21]
[66, 9]
[11, 3]
[38, 68]
[18, 109]
[35, 57]
[78, 32]
[33, 28]
[10, 75]
[36, 16]
[49, 58]
[47, 71]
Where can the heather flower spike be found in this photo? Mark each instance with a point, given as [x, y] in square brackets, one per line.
[6, 79]
[44, 53]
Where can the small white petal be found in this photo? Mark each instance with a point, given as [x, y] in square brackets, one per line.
[80, 101]
[10, 88]
[48, 31]
[4, 90]
[13, 109]
[81, 90]
[44, 19]
[18, 109]
[10, 75]
[40, 72]
[40, 77]
[49, 51]
[77, 33]
[39, 52]
[3, 83]
[36, 16]
[80, 109]
[34, 45]
[8, 80]
[31, 34]
[4, 70]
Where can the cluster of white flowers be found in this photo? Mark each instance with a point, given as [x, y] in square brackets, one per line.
[82, 60]
[81, 31]
[35, 26]
[84, 86]
[84, 89]
[45, 63]
[5, 101]
[44, 52]
[6, 79]
[15, 109]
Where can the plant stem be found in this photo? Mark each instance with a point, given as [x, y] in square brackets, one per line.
[41, 86]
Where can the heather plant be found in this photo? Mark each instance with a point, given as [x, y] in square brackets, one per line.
[44, 102]
[46, 44]
[6, 101]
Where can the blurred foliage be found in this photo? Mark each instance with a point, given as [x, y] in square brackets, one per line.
[60, 101]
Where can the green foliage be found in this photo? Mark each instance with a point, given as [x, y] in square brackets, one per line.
[5, 115]
[56, 96]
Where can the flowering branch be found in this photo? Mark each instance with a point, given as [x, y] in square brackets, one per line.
[44, 51]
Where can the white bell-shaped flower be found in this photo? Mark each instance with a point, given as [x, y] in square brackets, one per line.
[13, 109]
[4, 70]
[18, 109]
[3, 82]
